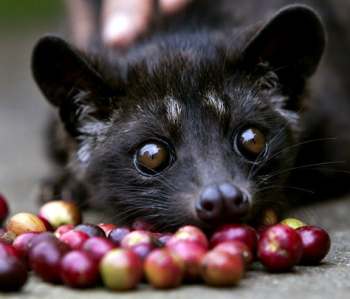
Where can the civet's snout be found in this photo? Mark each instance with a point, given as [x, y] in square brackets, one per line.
[222, 202]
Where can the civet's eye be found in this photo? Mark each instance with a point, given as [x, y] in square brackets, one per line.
[152, 157]
[251, 143]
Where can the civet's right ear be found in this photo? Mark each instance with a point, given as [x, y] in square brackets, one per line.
[70, 82]
[59, 68]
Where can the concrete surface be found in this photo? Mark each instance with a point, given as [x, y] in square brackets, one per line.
[22, 116]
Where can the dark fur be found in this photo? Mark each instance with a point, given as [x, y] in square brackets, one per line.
[235, 52]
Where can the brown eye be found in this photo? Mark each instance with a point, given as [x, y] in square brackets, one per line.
[251, 143]
[153, 157]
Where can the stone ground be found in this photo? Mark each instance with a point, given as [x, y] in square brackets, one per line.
[22, 164]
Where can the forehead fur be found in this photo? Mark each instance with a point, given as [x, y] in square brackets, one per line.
[173, 109]
[173, 80]
[195, 59]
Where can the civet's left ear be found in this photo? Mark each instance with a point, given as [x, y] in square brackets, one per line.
[292, 42]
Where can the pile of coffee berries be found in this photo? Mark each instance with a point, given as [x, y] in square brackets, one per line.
[59, 249]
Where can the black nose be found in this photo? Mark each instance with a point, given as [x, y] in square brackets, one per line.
[222, 202]
[236, 203]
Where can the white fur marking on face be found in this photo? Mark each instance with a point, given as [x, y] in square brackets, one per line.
[84, 154]
[216, 103]
[94, 128]
[173, 109]
[278, 100]
[91, 130]
[291, 116]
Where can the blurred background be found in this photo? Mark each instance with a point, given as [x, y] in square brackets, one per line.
[23, 111]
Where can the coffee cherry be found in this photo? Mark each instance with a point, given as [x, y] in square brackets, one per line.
[316, 244]
[25, 223]
[38, 238]
[4, 209]
[13, 274]
[79, 270]
[190, 233]
[60, 212]
[162, 239]
[190, 254]
[7, 250]
[63, 229]
[140, 242]
[97, 247]
[107, 227]
[235, 232]
[140, 224]
[136, 237]
[280, 248]
[74, 239]
[121, 269]
[22, 244]
[47, 224]
[261, 230]
[45, 259]
[236, 248]
[91, 230]
[293, 223]
[142, 250]
[184, 254]
[222, 269]
[118, 234]
[163, 269]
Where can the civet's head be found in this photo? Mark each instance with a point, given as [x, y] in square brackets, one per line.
[192, 128]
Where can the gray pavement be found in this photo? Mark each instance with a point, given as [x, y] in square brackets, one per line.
[22, 164]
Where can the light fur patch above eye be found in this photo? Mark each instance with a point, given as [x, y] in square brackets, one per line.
[215, 103]
[84, 153]
[94, 128]
[92, 131]
[291, 116]
[173, 109]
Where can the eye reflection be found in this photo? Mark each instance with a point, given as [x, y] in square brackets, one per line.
[251, 143]
[152, 157]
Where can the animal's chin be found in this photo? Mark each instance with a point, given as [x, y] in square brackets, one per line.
[207, 227]
[257, 217]
[210, 227]
[255, 220]
[170, 223]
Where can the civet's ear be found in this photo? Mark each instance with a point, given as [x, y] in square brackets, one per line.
[70, 83]
[291, 42]
[59, 68]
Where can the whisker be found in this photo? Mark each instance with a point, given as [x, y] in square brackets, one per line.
[285, 187]
[313, 165]
[251, 170]
[277, 135]
[291, 147]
